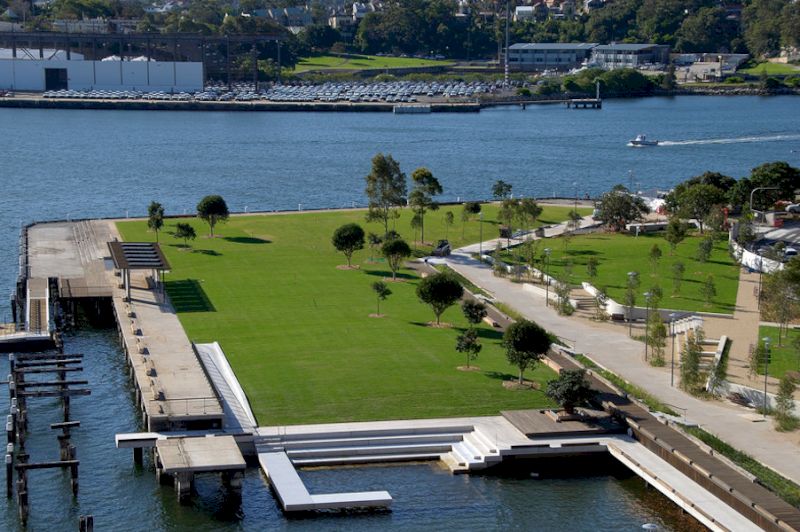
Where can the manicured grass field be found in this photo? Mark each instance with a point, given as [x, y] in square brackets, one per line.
[772, 69]
[363, 62]
[297, 330]
[618, 254]
[783, 357]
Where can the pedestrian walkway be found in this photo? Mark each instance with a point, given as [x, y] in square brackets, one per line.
[625, 357]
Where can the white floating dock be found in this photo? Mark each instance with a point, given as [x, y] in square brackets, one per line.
[294, 496]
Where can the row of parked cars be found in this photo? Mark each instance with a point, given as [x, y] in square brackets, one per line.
[391, 92]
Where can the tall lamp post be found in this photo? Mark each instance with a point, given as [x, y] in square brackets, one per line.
[480, 244]
[754, 190]
[646, 323]
[547, 252]
[575, 184]
[766, 374]
[631, 287]
[672, 364]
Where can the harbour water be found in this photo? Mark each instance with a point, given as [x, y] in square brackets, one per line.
[70, 164]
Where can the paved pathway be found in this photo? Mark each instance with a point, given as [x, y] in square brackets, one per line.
[625, 357]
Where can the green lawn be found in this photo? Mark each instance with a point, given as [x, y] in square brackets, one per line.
[783, 357]
[362, 62]
[772, 69]
[297, 330]
[618, 254]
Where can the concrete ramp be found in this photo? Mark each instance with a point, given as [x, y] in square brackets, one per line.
[236, 407]
[294, 496]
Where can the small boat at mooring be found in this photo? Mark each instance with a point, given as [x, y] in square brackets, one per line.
[641, 140]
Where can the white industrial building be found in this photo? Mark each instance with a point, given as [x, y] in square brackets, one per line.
[28, 73]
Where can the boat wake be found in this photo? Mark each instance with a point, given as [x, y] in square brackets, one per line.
[737, 140]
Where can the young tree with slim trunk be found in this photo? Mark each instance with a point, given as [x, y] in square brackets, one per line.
[155, 217]
[474, 311]
[470, 209]
[386, 189]
[570, 389]
[678, 270]
[421, 198]
[185, 232]
[449, 220]
[213, 210]
[690, 362]
[395, 250]
[591, 268]
[440, 291]
[525, 343]
[784, 405]
[675, 233]
[381, 292]
[655, 257]
[348, 239]
[467, 343]
[374, 241]
[709, 290]
[501, 190]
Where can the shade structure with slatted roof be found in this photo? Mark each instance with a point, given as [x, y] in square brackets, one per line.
[129, 256]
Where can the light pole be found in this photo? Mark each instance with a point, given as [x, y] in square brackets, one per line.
[760, 273]
[672, 364]
[575, 184]
[759, 188]
[547, 277]
[480, 244]
[646, 323]
[766, 374]
[631, 288]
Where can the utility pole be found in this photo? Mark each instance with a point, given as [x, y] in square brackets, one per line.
[508, 16]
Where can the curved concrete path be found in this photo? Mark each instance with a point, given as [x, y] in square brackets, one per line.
[625, 357]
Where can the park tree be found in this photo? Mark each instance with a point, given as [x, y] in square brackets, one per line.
[348, 239]
[528, 211]
[656, 338]
[185, 232]
[600, 300]
[696, 201]
[448, 220]
[574, 220]
[779, 302]
[704, 249]
[381, 293]
[675, 233]
[507, 214]
[618, 207]
[212, 210]
[425, 187]
[691, 379]
[785, 419]
[525, 343]
[395, 250]
[155, 217]
[591, 268]
[655, 257]
[678, 269]
[386, 189]
[440, 291]
[570, 389]
[468, 211]
[746, 231]
[706, 30]
[373, 240]
[780, 175]
[467, 343]
[709, 290]
[474, 311]
[416, 224]
[501, 190]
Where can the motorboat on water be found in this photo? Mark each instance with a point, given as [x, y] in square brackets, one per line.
[641, 140]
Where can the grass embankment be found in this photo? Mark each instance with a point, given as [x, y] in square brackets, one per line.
[784, 357]
[618, 254]
[772, 69]
[773, 481]
[362, 62]
[297, 330]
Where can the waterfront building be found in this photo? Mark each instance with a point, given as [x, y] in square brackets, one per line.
[617, 55]
[542, 56]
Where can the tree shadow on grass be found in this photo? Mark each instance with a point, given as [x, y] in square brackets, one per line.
[388, 275]
[246, 240]
[579, 252]
[209, 252]
[497, 375]
[188, 296]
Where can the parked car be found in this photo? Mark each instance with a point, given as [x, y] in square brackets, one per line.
[793, 208]
[442, 249]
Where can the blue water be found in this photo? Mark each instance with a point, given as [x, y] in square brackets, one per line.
[60, 164]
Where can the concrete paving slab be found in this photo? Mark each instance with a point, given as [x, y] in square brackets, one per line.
[197, 455]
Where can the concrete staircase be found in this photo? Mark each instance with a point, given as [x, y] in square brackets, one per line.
[462, 448]
[584, 303]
